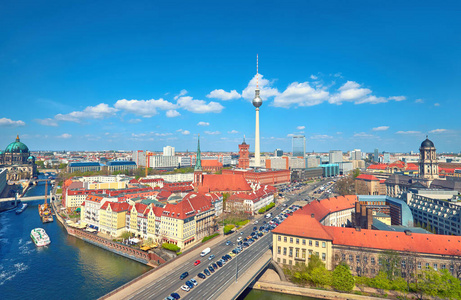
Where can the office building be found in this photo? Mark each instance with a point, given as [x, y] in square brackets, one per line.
[299, 145]
[356, 154]
[278, 152]
[168, 151]
[336, 156]
[376, 156]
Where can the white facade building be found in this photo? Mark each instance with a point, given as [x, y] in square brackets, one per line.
[168, 151]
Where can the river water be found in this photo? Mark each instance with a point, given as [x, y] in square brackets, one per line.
[68, 268]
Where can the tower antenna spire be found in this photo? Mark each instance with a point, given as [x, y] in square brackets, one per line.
[257, 73]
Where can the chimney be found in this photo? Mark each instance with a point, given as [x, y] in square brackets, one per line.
[407, 232]
[312, 215]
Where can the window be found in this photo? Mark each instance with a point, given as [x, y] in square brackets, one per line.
[279, 238]
[297, 253]
[304, 253]
[284, 261]
[324, 245]
[444, 267]
[427, 266]
[343, 256]
[291, 252]
[291, 240]
[285, 239]
[304, 242]
[297, 241]
[451, 269]
[404, 264]
[279, 250]
[435, 267]
[316, 243]
[284, 250]
[419, 265]
[357, 257]
[310, 242]
[365, 259]
[324, 256]
[351, 258]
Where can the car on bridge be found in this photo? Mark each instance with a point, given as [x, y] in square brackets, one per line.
[197, 262]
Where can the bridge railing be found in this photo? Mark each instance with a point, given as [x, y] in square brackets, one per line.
[245, 286]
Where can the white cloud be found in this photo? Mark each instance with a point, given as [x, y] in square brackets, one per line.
[223, 95]
[65, 136]
[185, 132]
[233, 131]
[266, 91]
[138, 135]
[199, 106]
[362, 134]
[436, 104]
[398, 98]
[300, 127]
[47, 122]
[408, 132]
[338, 75]
[419, 101]
[134, 121]
[300, 94]
[10, 123]
[181, 93]
[172, 113]
[313, 77]
[321, 137]
[145, 108]
[99, 111]
[212, 132]
[290, 135]
[163, 134]
[437, 131]
[353, 92]
[381, 128]
[203, 123]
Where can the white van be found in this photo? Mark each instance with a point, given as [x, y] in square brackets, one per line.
[268, 215]
[239, 239]
[205, 252]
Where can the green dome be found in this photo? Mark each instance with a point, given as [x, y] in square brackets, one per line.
[17, 147]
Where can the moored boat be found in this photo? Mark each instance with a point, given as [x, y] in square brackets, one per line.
[39, 237]
[22, 208]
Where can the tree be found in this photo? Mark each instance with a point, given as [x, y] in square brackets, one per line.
[356, 173]
[342, 278]
[314, 262]
[390, 264]
[345, 186]
[381, 282]
[320, 277]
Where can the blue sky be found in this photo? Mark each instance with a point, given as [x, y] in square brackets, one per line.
[89, 75]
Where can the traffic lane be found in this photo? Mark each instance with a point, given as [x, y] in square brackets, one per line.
[222, 280]
[170, 283]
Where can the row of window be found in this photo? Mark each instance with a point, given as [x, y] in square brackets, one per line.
[317, 243]
[299, 253]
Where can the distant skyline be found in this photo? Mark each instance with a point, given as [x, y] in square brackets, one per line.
[85, 75]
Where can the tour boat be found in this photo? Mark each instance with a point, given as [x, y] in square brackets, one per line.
[39, 236]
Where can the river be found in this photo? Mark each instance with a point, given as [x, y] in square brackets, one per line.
[68, 268]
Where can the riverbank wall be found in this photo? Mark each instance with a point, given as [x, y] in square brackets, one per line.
[148, 258]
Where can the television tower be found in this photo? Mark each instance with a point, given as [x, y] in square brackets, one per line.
[257, 102]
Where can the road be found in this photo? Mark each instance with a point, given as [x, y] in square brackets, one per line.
[214, 285]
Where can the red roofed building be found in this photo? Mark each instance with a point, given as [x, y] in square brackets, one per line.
[303, 234]
[244, 155]
[112, 218]
[366, 184]
[251, 202]
[269, 177]
[211, 165]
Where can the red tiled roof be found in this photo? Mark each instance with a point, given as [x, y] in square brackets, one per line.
[304, 226]
[378, 167]
[398, 241]
[225, 182]
[181, 210]
[367, 177]
[116, 206]
[211, 163]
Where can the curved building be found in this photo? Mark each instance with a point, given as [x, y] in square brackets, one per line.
[428, 165]
[18, 161]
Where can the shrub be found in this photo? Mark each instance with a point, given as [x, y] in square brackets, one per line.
[228, 228]
[209, 237]
[171, 247]
[243, 223]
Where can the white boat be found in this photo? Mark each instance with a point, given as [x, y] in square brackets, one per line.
[39, 236]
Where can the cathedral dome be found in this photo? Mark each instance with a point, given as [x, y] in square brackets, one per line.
[17, 147]
[427, 143]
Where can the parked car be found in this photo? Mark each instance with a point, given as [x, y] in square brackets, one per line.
[201, 275]
[185, 288]
[194, 281]
[197, 262]
[183, 275]
[228, 243]
[189, 284]
[219, 263]
[214, 266]
[211, 269]
[207, 272]
[176, 296]
[211, 257]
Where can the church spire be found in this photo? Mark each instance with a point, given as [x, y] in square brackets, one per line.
[198, 162]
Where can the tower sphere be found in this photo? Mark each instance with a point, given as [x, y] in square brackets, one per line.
[257, 102]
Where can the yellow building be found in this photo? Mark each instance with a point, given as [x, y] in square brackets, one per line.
[112, 218]
[107, 185]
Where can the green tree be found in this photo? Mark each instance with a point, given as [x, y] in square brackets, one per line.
[342, 278]
[40, 164]
[399, 284]
[321, 277]
[451, 286]
[314, 262]
[356, 173]
[390, 264]
[125, 235]
[62, 166]
[381, 282]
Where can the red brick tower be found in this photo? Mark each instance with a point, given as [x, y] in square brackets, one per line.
[244, 159]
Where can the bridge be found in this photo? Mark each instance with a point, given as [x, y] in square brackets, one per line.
[24, 199]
